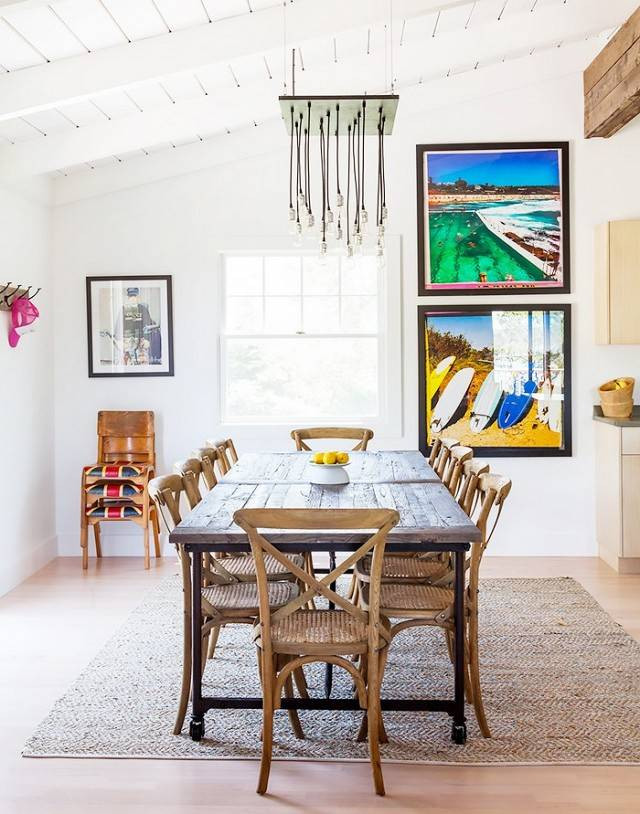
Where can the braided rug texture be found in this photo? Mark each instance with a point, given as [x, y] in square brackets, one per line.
[561, 685]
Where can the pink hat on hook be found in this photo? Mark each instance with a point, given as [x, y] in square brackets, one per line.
[23, 314]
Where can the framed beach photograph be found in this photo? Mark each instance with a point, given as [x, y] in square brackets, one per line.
[496, 378]
[130, 327]
[493, 218]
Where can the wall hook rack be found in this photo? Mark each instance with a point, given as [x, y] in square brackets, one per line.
[10, 292]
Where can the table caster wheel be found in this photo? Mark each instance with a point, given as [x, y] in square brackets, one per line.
[459, 733]
[196, 730]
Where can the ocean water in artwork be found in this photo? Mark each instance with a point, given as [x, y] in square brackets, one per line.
[493, 218]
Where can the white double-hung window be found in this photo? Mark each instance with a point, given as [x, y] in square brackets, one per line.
[304, 341]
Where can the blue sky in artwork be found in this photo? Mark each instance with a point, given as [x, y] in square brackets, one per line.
[502, 168]
[477, 328]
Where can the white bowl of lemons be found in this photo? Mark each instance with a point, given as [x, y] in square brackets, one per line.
[328, 468]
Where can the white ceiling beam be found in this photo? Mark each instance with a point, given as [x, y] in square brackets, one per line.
[158, 125]
[558, 65]
[80, 77]
[258, 101]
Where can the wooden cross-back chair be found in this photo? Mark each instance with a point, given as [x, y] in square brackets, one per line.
[289, 637]
[419, 604]
[226, 598]
[467, 493]
[226, 453]
[191, 472]
[452, 476]
[359, 434]
[444, 446]
[114, 489]
[209, 457]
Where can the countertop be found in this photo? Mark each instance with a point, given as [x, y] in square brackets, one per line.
[632, 421]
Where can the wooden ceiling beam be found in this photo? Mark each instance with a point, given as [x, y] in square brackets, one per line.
[612, 83]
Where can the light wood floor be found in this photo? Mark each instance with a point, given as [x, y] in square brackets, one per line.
[56, 621]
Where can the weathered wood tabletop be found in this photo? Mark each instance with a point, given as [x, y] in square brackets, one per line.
[394, 480]
[295, 467]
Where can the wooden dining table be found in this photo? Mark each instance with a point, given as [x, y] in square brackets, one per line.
[430, 521]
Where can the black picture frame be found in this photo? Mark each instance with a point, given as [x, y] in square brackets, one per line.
[136, 280]
[483, 309]
[487, 289]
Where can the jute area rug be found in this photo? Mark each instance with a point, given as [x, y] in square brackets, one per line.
[561, 685]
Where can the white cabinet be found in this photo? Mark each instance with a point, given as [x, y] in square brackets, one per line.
[618, 495]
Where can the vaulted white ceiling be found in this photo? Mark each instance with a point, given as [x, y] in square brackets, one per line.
[86, 84]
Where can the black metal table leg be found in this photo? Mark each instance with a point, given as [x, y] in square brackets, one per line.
[328, 674]
[459, 727]
[196, 726]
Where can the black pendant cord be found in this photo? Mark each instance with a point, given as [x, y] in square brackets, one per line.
[379, 196]
[298, 151]
[298, 179]
[291, 166]
[328, 141]
[308, 159]
[338, 149]
[364, 118]
[359, 180]
[324, 188]
[348, 178]
[384, 182]
[305, 169]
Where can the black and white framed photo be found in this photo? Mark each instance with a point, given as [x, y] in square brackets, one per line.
[130, 326]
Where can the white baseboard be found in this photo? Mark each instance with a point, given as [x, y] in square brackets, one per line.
[24, 563]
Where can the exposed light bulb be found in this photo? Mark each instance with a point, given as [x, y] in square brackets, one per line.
[349, 261]
[338, 230]
[292, 213]
[322, 259]
[385, 213]
[339, 200]
[301, 200]
[329, 216]
[310, 220]
[298, 235]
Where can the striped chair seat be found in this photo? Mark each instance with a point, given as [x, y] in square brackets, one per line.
[115, 490]
[115, 512]
[115, 471]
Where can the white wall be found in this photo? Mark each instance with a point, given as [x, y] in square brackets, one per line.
[176, 227]
[27, 531]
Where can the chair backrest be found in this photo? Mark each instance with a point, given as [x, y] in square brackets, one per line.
[227, 455]
[208, 457]
[453, 473]
[359, 434]
[467, 493]
[435, 451]
[444, 453]
[191, 471]
[492, 492]
[382, 520]
[126, 435]
[165, 491]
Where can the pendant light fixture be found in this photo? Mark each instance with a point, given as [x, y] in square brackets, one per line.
[332, 134]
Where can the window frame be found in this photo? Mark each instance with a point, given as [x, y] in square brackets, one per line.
[389, 332]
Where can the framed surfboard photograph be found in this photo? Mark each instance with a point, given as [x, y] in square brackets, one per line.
[495, 378]
[493, 218]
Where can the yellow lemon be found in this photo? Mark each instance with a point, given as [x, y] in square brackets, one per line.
[318, 457]
[342, 458]
[329, 457]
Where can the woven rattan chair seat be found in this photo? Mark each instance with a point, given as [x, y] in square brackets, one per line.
[422, 600]
[398, 567]
[245, 566]
[312, 630]
[243, 596]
